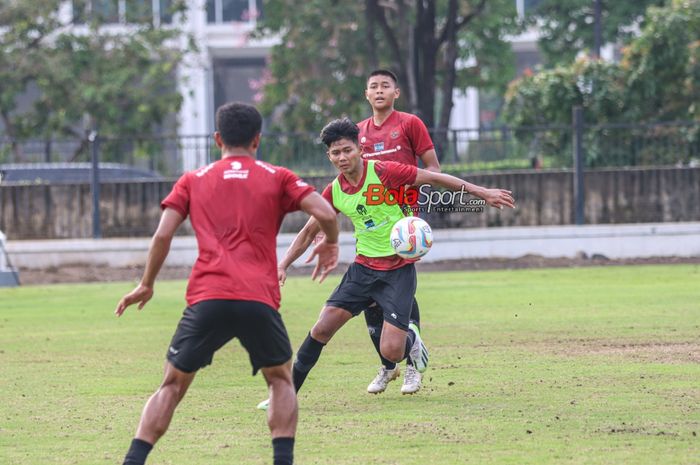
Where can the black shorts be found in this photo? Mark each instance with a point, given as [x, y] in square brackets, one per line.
[392, 290]
[206, 326]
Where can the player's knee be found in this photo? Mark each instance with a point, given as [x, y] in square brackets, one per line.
[279, 376]
[321, 332]
[174, 388]
[393, 352]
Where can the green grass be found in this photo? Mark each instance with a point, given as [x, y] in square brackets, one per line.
[561, 366]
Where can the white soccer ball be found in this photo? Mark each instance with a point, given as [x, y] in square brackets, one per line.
[411, 237]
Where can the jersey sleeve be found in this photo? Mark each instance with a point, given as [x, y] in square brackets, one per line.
[294, 190]
[419, 135]
[179, 197]
[328, 195]
[395, 175]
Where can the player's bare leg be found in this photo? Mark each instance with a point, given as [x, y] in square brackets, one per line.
[159, 409]
[282, 412]
[158, 412]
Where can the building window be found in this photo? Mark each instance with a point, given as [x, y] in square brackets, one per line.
[235, 79]
[241, 11]
[525, 7]
[123, 11]
[138, 11]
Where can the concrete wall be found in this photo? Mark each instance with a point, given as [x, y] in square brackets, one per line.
[612, 241]
[543, 197]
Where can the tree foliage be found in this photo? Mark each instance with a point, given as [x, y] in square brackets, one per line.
[25, 27]
[566, 27]
[658, 77]
[327, 48]
[87, 78]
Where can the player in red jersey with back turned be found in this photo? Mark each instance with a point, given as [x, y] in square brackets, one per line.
[392, 135]
[236, 206]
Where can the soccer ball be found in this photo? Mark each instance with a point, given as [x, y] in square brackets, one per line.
[411, 237]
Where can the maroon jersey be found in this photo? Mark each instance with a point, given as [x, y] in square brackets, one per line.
[236, 206]
[392, 175]
[402, 138]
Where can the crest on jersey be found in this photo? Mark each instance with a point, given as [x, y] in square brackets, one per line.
[236, 171]
[394, 134]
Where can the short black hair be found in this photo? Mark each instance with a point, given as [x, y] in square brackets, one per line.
[384, 72]
[238, 123]
[338, 129]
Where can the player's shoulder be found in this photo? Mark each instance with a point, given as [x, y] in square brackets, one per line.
[364, 123]
[408, 117]
[275, 170]
[280, 174]
[380, 166]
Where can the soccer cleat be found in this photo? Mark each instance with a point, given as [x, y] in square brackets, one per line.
[411, 380]
[264, 404]
[383, 378]
[418, 356]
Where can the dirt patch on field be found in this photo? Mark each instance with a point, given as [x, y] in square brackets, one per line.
[82, 273]
[649, 351]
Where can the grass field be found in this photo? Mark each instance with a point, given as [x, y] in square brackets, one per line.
[565, 366]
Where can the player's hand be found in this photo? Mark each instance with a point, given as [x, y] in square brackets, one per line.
[499, 198]
[319, 238]
[281, 276]
[141, 294]
[327, 259]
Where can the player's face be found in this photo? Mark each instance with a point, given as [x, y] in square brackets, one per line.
[381, 92]
[345, 156]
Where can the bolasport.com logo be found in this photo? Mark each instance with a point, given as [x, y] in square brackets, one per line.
[424, 199]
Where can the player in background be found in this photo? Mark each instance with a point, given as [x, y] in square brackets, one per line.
[392, 135]
[378, 274]
[236, 206]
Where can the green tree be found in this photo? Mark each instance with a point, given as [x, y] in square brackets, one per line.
[658, 79]
[547, 97]
[122, 84]
[661, 69]
[327, 48]
[24, 28]
[567, 26]
[127, 85]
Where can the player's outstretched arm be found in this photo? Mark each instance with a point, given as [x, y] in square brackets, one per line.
[158, 251]
[498, 198]
[323, 218]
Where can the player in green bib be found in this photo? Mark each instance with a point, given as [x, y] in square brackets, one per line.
[377, 275]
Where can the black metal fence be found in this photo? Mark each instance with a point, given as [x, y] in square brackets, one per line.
[474, 150]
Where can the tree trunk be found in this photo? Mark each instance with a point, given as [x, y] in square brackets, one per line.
[427, 59]
[448, 84]
[370, 15]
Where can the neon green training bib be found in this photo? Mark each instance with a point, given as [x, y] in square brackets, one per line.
[372, 223]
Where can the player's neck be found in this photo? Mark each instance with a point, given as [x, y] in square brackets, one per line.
[355, 177]
[379, 116]
[227, 152]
